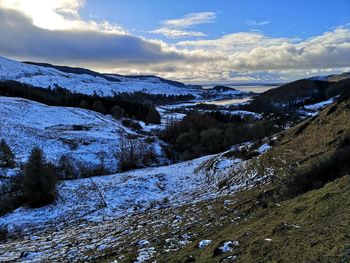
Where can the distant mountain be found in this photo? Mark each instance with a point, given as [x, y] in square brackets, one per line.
[304, 91]
[333, 78]
[89, 82]
[73, 70]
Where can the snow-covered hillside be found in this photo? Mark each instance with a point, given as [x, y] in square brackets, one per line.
[45, 77]
[83, 134]
[112, 196]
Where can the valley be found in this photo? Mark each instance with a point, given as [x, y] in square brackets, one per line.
[194, 183]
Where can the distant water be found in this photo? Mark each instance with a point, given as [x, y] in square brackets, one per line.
[227, 102]
[255, 89]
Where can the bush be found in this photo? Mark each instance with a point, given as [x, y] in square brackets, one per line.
[152, 116]
[318, 175]
[134, 125]
[65, 168]
[7, 157]
[3, 233]
[39, 180]
[117, 112]
[135, 154]
[98, 106]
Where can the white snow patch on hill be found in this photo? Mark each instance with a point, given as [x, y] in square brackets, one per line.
[320, 105]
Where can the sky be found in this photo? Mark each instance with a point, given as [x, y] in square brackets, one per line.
[221, 41]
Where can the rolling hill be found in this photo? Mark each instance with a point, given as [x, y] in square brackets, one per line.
[89, 82]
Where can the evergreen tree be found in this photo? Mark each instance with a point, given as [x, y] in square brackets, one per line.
[39, 180]
[7, 157]
[153, 115]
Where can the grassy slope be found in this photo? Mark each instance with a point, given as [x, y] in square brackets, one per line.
[313, 227]
[323, 214]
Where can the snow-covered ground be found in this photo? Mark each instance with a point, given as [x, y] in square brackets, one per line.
[111, 196]
[320, 105]
[314, 109]
[87, 84]
[85, 135]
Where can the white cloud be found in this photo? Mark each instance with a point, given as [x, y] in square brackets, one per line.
[176, 28]
[88, 48]
[191, 20]
[58, 15]
[177, 33]
[241, 56]
[257, 23]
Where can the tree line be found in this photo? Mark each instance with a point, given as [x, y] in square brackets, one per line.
[200, 134]
[124, 105]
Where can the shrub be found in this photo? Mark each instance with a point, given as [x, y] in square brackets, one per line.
[117, 112]
[134, 154]
[153, 115]
[39, 180]
[3, 233]
[134, 125]
[79, 127]
[98, 106]
[84, 104]
[9, 202]
[7, 157]
[65, 168]
[318, 175]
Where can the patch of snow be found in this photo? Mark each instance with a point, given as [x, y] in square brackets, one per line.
[264, 148]
[145, 254]
[320, 105]
[102, 247]
[228, 246]
[143, 243]
[225, 163]
[204, 243]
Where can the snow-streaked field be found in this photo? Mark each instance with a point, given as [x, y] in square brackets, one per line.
[98, 198]
[82, 134]
[86, 84]
[320, 105]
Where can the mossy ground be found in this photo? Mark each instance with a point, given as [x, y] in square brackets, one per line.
[314, 227]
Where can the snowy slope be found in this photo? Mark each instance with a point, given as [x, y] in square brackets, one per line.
[87, 84]
[112, 196]
[26, 124]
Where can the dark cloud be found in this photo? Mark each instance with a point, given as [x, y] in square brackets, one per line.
[21, 39]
